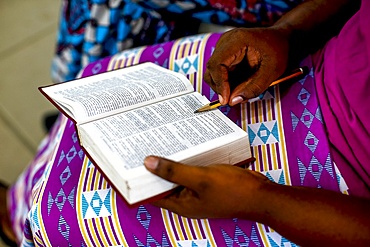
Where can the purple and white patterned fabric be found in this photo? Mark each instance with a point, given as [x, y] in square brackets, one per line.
[63, 200]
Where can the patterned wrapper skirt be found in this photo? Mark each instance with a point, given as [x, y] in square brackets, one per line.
[63, 200]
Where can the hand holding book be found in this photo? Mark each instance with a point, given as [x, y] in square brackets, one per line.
[122, 116]
[216, 191]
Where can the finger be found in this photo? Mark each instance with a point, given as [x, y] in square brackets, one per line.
[185, 175]
[251, 88]
[174, 200]
[218, 75]
[219, 66]
[212, 84]
[223, 86]
[169, 203]
[178, 205]
[208, 79]
[237, 57]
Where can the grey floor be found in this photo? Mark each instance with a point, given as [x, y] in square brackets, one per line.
[27, 41]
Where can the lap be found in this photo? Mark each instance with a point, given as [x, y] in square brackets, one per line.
[70, 202]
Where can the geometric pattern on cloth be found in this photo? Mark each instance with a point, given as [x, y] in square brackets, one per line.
[34, 180]
[61, 157]
[315, 168]
[276, 240]
[96, 203]
[158, 52]
[306, 118]
[150, 241]
[65, 175]
[311, 141]
[263, 133]
[70, 155]
[240, 238]
[132, 53]
[143, 216]
[58, 203]
[186, 65]
[318, 115]
[192, 39]
[90, 164]
[312, 161]
[148, 237]
[342, 183]
[268, 94]
[304, 96]
[180, 228]
[127, 58]
[276, 176]
[33, 214]
[63, 228]
[194, 243]
[60, 199]
[262, 120]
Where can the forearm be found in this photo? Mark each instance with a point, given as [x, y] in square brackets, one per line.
[311, 24]
[315, 217]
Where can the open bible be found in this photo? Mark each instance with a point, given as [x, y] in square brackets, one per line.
[124, 115]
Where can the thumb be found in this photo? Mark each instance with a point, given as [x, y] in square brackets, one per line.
[175, 172]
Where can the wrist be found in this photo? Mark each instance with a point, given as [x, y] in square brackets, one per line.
[258, 208]
[284, 28]
[296, 40]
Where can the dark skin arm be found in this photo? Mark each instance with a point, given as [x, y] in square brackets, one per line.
[247, 60]
[306, 216]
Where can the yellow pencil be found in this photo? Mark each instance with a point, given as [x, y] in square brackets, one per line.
[295, 73]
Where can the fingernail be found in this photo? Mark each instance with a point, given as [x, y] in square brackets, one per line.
[237, 100]
[151, 162]
[220, 99]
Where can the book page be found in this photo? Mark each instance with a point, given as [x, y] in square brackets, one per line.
[111, 92]
[169, 128]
